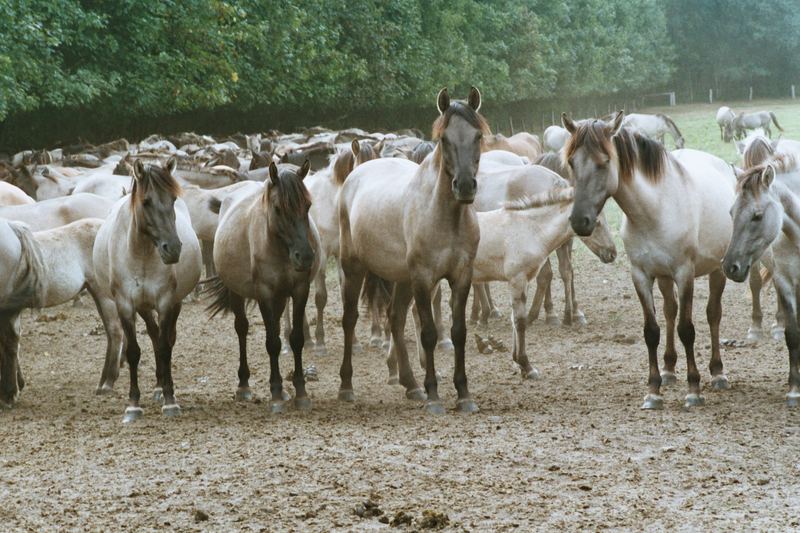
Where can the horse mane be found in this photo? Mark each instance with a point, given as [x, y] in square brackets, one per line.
[557, 195]
[634, 151]
[758, 151]
[345, 161]
[292, 195]
[156, 177]
[553, 161]
[28, 289]
[459, 109]
[670, 123]
[753, 178]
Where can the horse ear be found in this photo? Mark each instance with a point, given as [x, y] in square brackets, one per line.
[474, 98]
[768, 176]
[273, 173]
[737, 172]
[355, 147]
[304, 170]
[616, 124]
[443, 101]
[172, 164]
[138, 169]
[568, 123]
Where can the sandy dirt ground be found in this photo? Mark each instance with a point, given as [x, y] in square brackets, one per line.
[570, 451]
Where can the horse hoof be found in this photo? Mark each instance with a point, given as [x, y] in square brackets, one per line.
[277, 407]
[778, 334]
[171, 410]
[580, 320]
[753, 335]
[375, 342]
[552, 321]
[434, 407]
[446, 345]
[467, 405]
[347, 395]
[385, 345]
[532, 375]
[158, 394]
[694, 400]
[668, 378]
[495, 313]
[357, 347]
[653, 402]
[393, 380]
[302, 404]
[720, 383]
[285, 396]
[792, 399]
[417, 395]
[132, 414]
[104, 390]
[244, 394]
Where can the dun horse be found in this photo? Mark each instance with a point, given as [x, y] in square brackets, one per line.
[267, 249]
[750, 121]
[147, 258]
[415, 225]
[677, 228]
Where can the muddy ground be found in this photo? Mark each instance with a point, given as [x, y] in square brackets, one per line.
[572, 450]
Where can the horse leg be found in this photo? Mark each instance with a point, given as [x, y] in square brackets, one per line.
[133, 353]
[287, 330]
[242, 327]
[686, 333]
[754, 333]
[494, 312]
[207, 252]
[643, 283]
[519, 289]
[426, 332]
[9, 361]
[166, 341]
[107, 310]
[271, 309]
[459, 287]
[565, 270]
[716, 285]
[376, 313]
[297, 341]
[787, 295]
[480, 289]
[320, 301]
[476, 306]
[401, 299]
[667, 287]
[352, 281]
[357, 348]
[543, 279]
[443, 342]
[153, 333]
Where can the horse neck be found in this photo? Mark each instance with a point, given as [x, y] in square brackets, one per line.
[138, 243]
[641, 199]
[437, 182]
[549, 225]
[791, 212]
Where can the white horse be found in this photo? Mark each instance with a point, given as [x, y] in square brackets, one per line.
[147, 258]
[107, 185]
[45, 269]
[654, 126]
[58, 211]
[12, 195]
[725, 116]
[750, 121]
[555, 137]
[676, 228]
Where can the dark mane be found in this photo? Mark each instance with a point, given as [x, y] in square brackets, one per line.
[671, 123]
[752, 178]
[759, 151]
[155, 176]
[459, 109]
[633, 150]
[553, 161]
[291, 194]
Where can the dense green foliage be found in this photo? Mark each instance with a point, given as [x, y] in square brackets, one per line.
[139, 58]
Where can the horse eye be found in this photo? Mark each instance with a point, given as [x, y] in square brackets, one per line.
[147, 202]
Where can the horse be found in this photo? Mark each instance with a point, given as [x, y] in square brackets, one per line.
[12, 195]
[267, 249]
[45, 269]
[147, 258]
[766, 214]
[49, 214]
[110, 186]
[676, 228]
[750, 121]
[421, 151]
[725, 116]
[654, 126]
[523, 144]
[555, 137]
[414, 225]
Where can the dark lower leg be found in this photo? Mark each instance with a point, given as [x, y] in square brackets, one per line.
[716, 285]
[667, 287]
[242, 327]
[297, 339]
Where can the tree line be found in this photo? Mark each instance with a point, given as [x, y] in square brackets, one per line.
[132, 60]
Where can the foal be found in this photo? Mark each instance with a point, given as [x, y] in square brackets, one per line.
[147, 258]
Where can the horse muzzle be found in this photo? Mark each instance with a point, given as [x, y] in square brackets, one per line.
[301, 261]
[170, 253]
[735, 270]
[465, 189]
[582, 225]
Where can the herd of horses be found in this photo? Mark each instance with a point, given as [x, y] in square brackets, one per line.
[134, 226]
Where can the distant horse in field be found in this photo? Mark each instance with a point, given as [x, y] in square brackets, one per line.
[147, 258]
[654, 126]
[414, 225]
[750, 121]
[767, 215]
[677, 227]
[45, 269]
[725, 116]
[267, 249]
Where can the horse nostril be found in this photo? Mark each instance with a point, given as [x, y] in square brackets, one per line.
[733, 268]
[164, 247]
[474, 183]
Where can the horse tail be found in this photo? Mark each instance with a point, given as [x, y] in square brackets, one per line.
[28, 289]
[219, 294]
[671, 124]
[376, 291]
[775, 120]
[214, 204]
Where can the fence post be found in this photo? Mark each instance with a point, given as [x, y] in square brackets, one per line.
[792, 92]
[711, 96]
[511, 124]
[751, 93]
